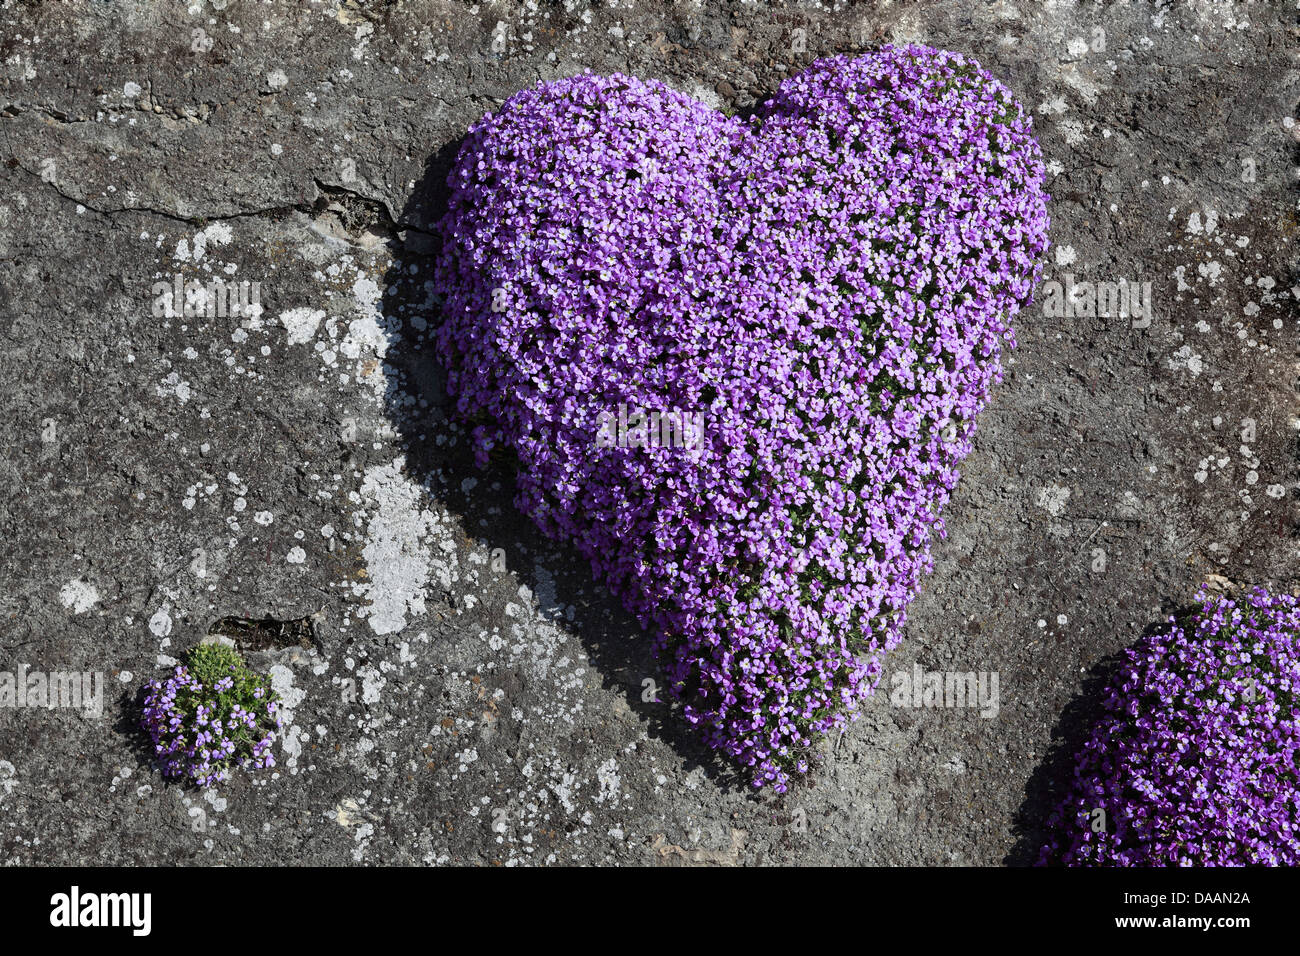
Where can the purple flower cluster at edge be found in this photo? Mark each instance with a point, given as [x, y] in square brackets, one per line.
[200, 732]
[830, 284]
[1194, 762]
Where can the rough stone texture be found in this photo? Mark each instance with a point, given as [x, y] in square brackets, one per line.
[471, 695]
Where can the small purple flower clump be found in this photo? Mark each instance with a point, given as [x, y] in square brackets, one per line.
[827, 287]
[211, 715]
[1196, 758]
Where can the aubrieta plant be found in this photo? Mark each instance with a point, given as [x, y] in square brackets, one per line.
[1194, 762]
[211, 715]
[827, 286]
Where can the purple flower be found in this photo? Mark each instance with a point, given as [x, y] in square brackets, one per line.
[827, 288]
[1194, 761]
[201, 734]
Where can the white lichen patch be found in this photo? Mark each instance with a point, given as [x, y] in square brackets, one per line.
[399, 556]
[78, 595]
[160, 625]
[173, 386]
[1052, 499]
[1185, 359]
[301, 324]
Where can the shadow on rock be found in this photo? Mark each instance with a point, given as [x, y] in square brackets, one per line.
[1051, 781]
[438, 455]
[129, 725]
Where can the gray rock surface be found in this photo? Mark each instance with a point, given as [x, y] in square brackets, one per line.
[469, 695]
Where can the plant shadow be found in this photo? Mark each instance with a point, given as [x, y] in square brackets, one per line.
[1050, 782]
[438, 455]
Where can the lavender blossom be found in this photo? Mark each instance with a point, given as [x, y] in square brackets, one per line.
[829, 285]
[211, 715]
[1195, 760]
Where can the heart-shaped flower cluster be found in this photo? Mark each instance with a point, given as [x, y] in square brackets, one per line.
[737, 360]
[1196, 758]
